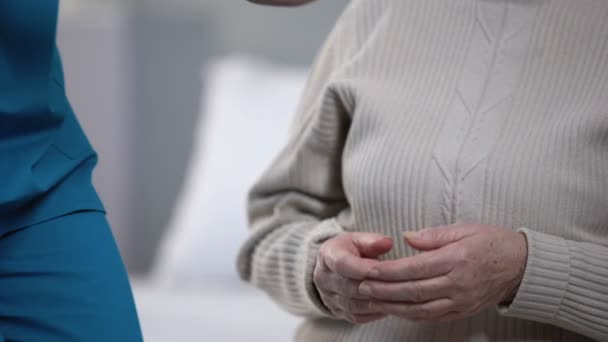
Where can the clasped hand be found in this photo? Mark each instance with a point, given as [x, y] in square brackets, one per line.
[462, 270]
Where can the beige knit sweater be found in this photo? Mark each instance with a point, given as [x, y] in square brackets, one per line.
[421, 113]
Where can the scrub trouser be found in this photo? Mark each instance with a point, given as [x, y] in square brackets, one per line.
[63, 280]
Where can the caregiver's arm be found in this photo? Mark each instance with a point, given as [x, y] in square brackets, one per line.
[281, 2]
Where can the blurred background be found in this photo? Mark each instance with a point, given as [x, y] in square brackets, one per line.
[187, 102]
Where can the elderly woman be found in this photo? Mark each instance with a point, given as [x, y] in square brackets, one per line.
[477, 131]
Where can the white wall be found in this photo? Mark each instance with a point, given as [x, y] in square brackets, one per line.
[133, 75]
[94, 43]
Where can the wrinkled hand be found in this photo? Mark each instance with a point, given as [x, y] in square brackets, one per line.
[463, 269]
[342, 263]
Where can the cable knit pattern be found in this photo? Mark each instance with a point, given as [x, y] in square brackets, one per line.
[481, 103]
[423, 113]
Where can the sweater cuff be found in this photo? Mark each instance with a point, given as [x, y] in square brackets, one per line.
[286, 262]
[545, 279]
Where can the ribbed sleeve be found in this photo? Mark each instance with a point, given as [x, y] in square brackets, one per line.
[565, 284]
[293, 206]
[283, 263]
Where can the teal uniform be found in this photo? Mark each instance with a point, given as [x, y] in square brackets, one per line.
[45, 159]
[61, 277]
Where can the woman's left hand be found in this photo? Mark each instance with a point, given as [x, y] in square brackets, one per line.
[463, 269]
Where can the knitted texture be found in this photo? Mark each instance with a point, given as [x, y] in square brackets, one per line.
[424, 113]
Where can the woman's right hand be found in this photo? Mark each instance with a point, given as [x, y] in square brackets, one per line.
[342, 263]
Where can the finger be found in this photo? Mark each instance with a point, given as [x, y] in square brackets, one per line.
[416, 312]
[353, 306]
[417, 267]
[334, 283]
[418, 291]
[348, 265]
[328, 301]
[372, 245]
[434, 238]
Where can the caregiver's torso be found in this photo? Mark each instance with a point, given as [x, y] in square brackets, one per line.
[45, 159]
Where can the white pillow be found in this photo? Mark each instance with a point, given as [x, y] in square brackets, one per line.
[249, 108]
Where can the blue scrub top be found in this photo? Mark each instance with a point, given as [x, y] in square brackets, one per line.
[46, 161]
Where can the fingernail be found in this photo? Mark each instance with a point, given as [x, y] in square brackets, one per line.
[410, 235]
[374, 273]
[368, 240]
[365, 289]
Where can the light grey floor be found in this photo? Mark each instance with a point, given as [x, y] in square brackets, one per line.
[232, 314]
